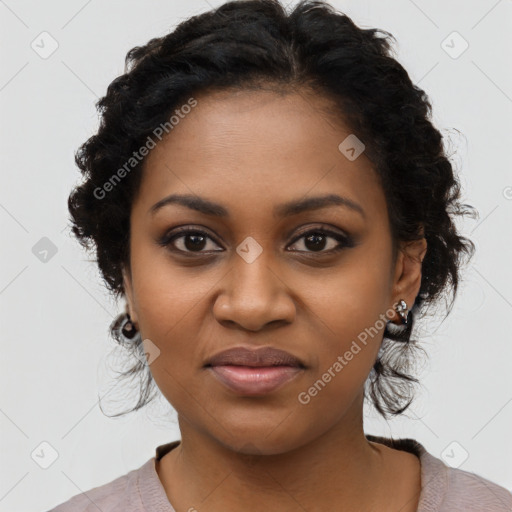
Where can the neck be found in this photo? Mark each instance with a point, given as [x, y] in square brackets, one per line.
[340, 466]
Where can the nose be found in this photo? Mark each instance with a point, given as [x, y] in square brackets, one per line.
[253, 295]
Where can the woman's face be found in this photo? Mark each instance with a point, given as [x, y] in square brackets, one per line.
[259, 277]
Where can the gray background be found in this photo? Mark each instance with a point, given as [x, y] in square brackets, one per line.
[56, 353]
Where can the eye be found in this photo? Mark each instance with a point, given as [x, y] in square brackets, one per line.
[189, 240]
[315, 241]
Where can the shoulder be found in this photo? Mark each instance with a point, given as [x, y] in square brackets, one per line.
[446, 488]
[471, 492]
[119, 495]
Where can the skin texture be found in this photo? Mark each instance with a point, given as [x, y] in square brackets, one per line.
[251, 151]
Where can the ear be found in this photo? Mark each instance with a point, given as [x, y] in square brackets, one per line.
[407, 279]
[128, 292]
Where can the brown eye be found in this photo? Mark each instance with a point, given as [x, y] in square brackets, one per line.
[189, 240]
[324, 241]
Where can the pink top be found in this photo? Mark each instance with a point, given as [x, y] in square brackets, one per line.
[443, 488]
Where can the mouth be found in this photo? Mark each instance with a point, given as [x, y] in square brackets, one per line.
[253, 372]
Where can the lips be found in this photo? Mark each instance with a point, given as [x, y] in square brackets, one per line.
[263, 356]
[253, 372]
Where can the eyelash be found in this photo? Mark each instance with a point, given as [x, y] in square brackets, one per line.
[168, 239]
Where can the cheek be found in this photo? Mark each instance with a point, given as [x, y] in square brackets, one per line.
[352, 299]
[350, 319]
[171, 311]
[164, 292]
[171, 305]
[345, 355]
[346, 351]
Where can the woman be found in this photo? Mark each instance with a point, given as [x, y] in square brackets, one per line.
[268, 194]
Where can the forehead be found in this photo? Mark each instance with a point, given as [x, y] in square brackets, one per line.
[255, 149]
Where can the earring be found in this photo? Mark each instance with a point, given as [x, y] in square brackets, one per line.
[128, 327]
[123, 330]
[401, 309]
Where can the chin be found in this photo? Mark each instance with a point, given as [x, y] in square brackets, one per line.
[263, 440]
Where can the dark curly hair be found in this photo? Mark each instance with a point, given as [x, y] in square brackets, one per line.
[257, 44]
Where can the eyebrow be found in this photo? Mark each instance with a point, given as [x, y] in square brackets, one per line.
[288, 209]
